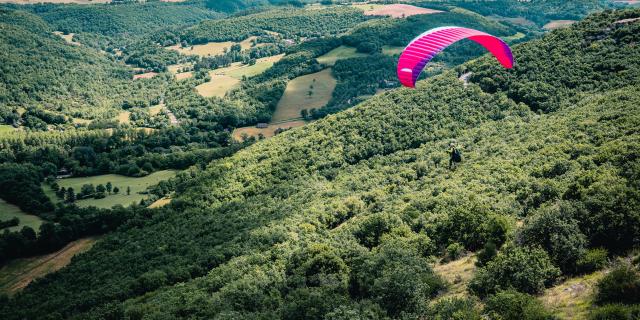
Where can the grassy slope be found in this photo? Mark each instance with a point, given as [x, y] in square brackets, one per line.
[20, 272]
[8, 211]
[247, 215]
[122, 182]
[296, 97]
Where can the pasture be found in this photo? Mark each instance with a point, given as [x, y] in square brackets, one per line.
[122, 182]
[391, 50]
[305, 92]
[18, 273]
[557, 24]
[213, 48]
[6, 129]
[9, 211]
[67, 37]
[123, 117]
[398, 11]
[146, 75]
[261, 66]
[341, 52]
[268, 132]
[218, 86]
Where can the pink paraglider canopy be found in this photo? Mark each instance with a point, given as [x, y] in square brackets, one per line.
[424, 47]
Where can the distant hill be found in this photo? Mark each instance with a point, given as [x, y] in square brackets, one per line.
[338, 219]
[41, 70]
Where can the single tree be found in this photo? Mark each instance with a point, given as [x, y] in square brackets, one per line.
[109, 187]
[116, 190]
[128, 190]
[71, 195]
[101, 188]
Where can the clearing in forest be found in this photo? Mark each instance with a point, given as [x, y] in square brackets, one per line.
[399, 11]
[146, 75]
[9, 211]
[391, 50]
[18, 273]
[213, 48]
[268, 132]
[341, 52]
[458, 274]
[122, 182]
[557, 24]
[305, 92]
[572, 298]
[67, 37]
[6, 129]
[261, 66]
[218, 86]
[160, 202]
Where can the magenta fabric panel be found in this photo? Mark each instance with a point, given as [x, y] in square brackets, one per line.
[423, 48]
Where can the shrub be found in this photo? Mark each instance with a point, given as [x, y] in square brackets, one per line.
[615, 312]
[486, 254]
[524, 269]
[454, 251]
[512, 304]
[454, 309]
[593, 260]
[621, 285]
[558, 234]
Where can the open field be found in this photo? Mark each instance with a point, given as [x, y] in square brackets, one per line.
[18, 273]
[183, 75]
[518, 20]
[367, 6]
[218, 86]
[557, 24]
[341, 52]
[55, 1]
[6, 129]
[122, 182]
[8, 211]
[514, 37]
[572, 298]
[123, 116]
[296, 96]
[67, 37]
[160, 202]
[212, 48]
[261, 65]
[267, 132]
[457, 273]
[390, 50]
[399, 11]
[146, 75]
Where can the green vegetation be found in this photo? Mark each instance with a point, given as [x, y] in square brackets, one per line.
[342, 216]
[9, 211]
[288, 23]
[60, 78]
[138, 188]
[341, 52]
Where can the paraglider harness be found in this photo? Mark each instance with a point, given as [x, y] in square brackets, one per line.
[456, 157]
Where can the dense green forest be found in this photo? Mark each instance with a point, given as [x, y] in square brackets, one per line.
[40, 70]
[341, 218]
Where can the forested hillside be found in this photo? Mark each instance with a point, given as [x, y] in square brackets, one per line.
[341, 219]
[40, 70]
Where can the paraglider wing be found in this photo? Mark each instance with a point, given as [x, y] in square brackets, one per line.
[424, 47]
